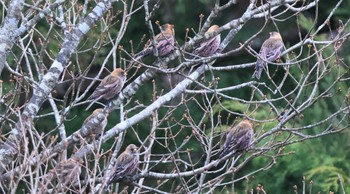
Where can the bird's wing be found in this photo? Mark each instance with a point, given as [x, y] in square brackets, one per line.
[204, 45]
[265, 49]
[201, 47]
[149, 45]
[106, 85]
[228, 145]
[109, 82]
[239, 137]
[243, 138]
[164, 40]
[274, 51]
[126, 164]
[123, 163]
[68, 170]
[231, 140]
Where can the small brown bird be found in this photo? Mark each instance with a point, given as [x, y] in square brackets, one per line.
[209, 47]
[270, 50]
[238, 138]
[96, 131]
[110, 86]
[68, 171]
[126, 164]
[164, 42]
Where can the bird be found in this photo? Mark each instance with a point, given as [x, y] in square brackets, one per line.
[164, 42]
[68, 171]
[238, 138]
[109, 87]
[270, 50]
[126, 164]
[89, 133]
[209, 47]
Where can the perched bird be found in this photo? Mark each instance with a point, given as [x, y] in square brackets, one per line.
[89, 132]
[68, 171]
[164, 42]
[209, 47]
[109, 87]
[270, 51]
[126, 164]
[238, 138]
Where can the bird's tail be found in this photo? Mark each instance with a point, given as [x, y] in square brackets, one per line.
[93, 96]
[258, 70]
[143, 53]
[224, 152]
[107, 186]
[108, 183]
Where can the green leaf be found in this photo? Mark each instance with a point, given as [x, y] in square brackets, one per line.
[305, 23]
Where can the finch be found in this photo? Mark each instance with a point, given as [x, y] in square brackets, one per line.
[270, 51]
[164, 42]
[97, 130]
[238, 138]
[110, 86]
[209, 47]
[126, 164]
[68, 171]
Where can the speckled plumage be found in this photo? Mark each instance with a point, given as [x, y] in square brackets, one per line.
[110, 86]
[209, 47]
[238, 138]
[126, 164]
[68, 171]
[270, 50]
[97, 130]
[165, 42]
